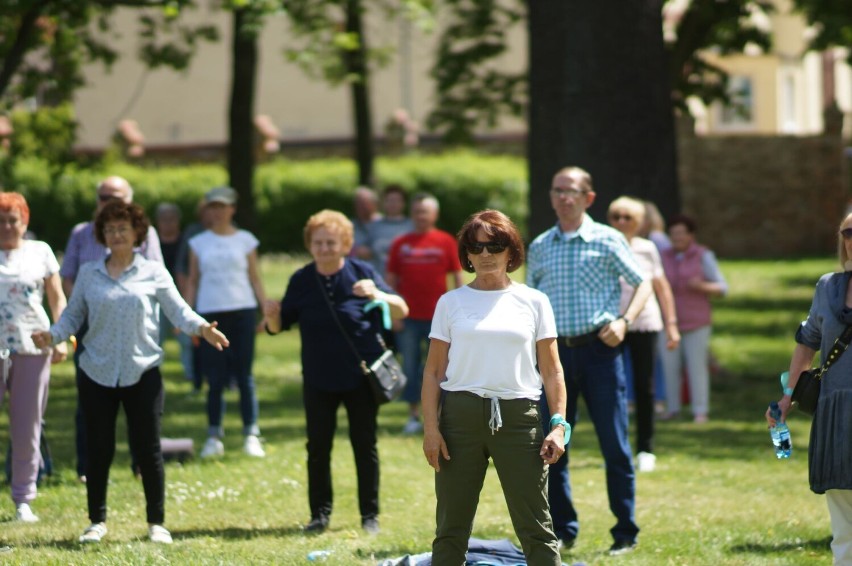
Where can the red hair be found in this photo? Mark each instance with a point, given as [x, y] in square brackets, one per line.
[15, 202]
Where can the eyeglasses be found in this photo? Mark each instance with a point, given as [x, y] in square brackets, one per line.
[493, 247]
[616, 217]
[565, 193]
[120, 231]
[9, 222]
[105, 198]
[846, 233]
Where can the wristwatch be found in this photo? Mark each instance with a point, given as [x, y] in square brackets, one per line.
[558, 420]
[626, 320]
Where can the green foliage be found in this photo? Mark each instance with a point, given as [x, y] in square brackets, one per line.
[45, 45]
[472, 90]
[47, 134]
[706, 26]
[286, 192]
[323, 42]
[833, 21]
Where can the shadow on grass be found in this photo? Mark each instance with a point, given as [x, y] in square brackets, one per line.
[819, 545]
[238, 533]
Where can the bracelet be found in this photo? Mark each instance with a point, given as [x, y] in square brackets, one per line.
[788, 391]
[557, 420]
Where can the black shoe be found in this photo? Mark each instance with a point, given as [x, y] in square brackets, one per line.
[621, 546]
[370, 526]
[567, 542]
[317, 525]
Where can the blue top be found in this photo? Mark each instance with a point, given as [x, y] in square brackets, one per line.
[579, 272]
[328, 362]
[829, 456]
[123, 314]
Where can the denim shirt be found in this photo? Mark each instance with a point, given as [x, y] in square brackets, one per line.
[123, 315]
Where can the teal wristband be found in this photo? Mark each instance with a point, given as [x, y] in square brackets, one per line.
[556, 419]
[788, 391]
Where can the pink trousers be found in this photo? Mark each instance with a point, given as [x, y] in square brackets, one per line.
[27, 383]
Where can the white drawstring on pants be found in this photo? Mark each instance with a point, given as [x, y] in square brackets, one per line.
[5, 360]
[496, 420]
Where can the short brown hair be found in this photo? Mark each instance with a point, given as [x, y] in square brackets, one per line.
[117, 211]
[498, 226]
[333, 221]
[10, 201]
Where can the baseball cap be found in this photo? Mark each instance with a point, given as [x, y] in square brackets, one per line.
[225, 195]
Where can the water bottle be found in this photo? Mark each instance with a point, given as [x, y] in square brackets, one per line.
[319, 555]
[780, 433]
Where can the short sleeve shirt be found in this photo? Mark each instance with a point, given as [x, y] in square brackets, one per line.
[22, 274]
[421, 263]
[493, 337]
[648, 257]
[224, 283]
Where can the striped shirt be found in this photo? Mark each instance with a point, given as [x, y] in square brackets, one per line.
[579, 273]
[83, 247]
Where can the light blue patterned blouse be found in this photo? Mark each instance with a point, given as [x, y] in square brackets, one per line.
[123, 314]
[579, 274]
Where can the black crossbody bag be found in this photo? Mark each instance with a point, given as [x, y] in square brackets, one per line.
[385, 374]
[806, 392]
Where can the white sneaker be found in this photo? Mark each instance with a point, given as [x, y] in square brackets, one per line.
[159, 534]
[252, 447]
[413, 426]
[646, 462]
[213, 447]
[25, 515]
[93, 533]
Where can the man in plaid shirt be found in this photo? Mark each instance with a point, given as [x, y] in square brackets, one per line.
[577, 263]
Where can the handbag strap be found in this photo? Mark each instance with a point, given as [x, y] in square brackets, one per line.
[361, 362]
[840, 346]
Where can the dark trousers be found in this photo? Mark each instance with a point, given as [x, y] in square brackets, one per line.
[143, 407]
[643, 352]
[321, 414]
[596, 371]
[235, 361]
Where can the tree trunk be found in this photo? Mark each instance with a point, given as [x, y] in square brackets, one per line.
[356, 65]
[600, 99]
[16, 52]
[240, 120]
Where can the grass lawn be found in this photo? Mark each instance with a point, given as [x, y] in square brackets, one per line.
[718, 495]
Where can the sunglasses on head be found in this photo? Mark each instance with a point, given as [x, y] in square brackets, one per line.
[493, 247]
[846, 233]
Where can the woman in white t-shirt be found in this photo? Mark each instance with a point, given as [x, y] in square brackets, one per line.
[224, 285]
[481, 391]
[28, 272]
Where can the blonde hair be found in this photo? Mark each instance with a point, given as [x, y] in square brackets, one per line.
[633, 206]
[332, 221]
[841, 248]
[653, 220]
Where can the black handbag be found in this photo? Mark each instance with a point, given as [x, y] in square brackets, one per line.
[806, 392]
[385, 375]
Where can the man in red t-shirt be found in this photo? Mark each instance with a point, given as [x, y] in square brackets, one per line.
[418, 264]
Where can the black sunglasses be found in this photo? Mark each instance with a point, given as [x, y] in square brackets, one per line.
[493, 247]
[615, 217]
[846, 233]
[105, 198]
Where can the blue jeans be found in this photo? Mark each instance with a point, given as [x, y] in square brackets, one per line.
[410, 341]
[234, 361]
[596, 371]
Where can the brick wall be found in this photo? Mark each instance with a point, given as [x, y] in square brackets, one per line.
[764, 196]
